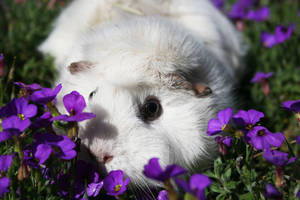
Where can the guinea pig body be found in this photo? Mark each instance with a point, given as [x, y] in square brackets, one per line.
[154, 72]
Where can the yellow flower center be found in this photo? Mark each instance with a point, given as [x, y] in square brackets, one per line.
[118, 187]
[21, 116]
[261, 133]
[224, 127]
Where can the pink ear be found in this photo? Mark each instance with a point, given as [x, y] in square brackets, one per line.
[178, 81]
[76, 67]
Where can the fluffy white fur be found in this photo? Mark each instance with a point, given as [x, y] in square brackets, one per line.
[133, 46]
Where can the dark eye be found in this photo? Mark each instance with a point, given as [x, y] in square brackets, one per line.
[92, 94]
[151, 109]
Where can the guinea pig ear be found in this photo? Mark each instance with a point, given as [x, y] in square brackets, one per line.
[80, 66]
[178, 81]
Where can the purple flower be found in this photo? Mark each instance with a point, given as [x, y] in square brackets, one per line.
[281, 34]
[221, 123]
[2, 67]
[259, 15]
[278, 158]
[153, 170]
[247, 119]
[93, 189]
[162, 195]
[219, 3]
[293, 106]
[262, 139]
[196, 186]
[240, 9]
[12, 126]
[45, 95]
[4, 186]
[5, 162]
[298, 194]
[272, 192]
[19, 107]
[48, 143]
[298, 140]
[28, 87]
[260, 76]
[114, 183]
[74, 104]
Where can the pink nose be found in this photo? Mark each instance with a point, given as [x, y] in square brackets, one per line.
[107, 158]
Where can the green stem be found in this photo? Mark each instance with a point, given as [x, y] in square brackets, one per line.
[171, 192]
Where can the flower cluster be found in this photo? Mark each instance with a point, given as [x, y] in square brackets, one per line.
[246, 124]
[195, 187]
[281, 34]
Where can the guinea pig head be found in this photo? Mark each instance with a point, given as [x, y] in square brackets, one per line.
[150, 102]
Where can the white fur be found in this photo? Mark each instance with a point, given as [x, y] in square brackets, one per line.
[134, 45]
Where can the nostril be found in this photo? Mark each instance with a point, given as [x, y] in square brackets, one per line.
[107, 158]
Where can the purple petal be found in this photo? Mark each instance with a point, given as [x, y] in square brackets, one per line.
[275, 139]
[259, 15]
[4, 186]
[227, 141]
[272, 192]
[298, 193]
[183, 185]
[298, 140]
[277, 158]
[162, 195]
[199, 182]
[268, 40]
[43, 151]
[45, 95]
[5, 162]
[30, 87]
[93, 189]
[173, 170]
[224, 116]
[60, 117]
[30, 111]
[287, 104]
[259, 143]
[74, 103]
[16, 123]
[214, 127]
[5, 135]
[153, 169]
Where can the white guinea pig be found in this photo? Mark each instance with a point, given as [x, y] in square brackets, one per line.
[153, 71]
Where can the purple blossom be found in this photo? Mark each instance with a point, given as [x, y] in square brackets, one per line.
[75, 104]
[262, 139]
[293, 106]
[259, 15]
[272, 192]
[219, 3]
[45, 95]
[28, 87]
[240, 9]
[221, 123]
[298, 194]
[5, 162]
[196, 186]
[260, 76]
[247, 119]
[20, 108]
[153, 170]
[281, 34]
[278, 158]
[298, 140]
[114, 183]
[162, 195]
[48, 143]
[4, 186]
[12, 126]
